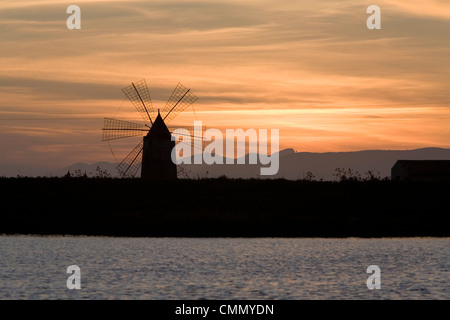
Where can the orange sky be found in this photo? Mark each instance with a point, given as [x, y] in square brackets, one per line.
[309, 68]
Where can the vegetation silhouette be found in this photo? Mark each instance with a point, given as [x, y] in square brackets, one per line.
[222, 207]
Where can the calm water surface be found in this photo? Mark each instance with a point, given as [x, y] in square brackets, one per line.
[220, 268]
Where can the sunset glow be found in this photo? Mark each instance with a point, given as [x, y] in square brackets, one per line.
[309, 68]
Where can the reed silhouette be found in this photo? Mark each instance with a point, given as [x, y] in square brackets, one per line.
[223, 207]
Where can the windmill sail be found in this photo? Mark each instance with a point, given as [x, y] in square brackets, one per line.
[180, 99]
[118, 129]
[199, 141]
[132, 162]
[138, 94]
[158, 164]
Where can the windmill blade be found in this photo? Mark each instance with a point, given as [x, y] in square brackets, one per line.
[132, 162]
[199, 140]
[188, 128]
[138, 94]
[180, 99]
[118, 129]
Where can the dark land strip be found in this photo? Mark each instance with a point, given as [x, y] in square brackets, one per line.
[223, 208]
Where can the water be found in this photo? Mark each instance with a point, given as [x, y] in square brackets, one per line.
[179, 268]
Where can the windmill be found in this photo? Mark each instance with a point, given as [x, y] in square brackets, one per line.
[153, 153]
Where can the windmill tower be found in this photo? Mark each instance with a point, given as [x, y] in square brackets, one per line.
[153, 153]
[156, 153]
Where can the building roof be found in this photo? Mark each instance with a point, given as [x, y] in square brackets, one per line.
[159, 129]
[424, 166]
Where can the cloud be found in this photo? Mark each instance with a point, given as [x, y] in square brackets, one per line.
[422, 8]
[258, 62]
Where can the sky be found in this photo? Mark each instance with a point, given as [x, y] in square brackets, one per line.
[311, 69]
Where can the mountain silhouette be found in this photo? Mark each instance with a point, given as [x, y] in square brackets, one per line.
[296, 165]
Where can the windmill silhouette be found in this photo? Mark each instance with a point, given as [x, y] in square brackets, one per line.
[153, 153]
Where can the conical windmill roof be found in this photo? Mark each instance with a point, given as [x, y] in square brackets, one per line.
[159, 129]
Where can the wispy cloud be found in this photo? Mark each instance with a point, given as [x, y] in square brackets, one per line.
[421, 8]
[279, 61]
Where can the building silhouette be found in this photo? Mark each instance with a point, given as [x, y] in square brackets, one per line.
[421, 170]
[157, 150]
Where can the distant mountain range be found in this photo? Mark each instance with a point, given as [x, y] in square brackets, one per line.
[293, 165]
